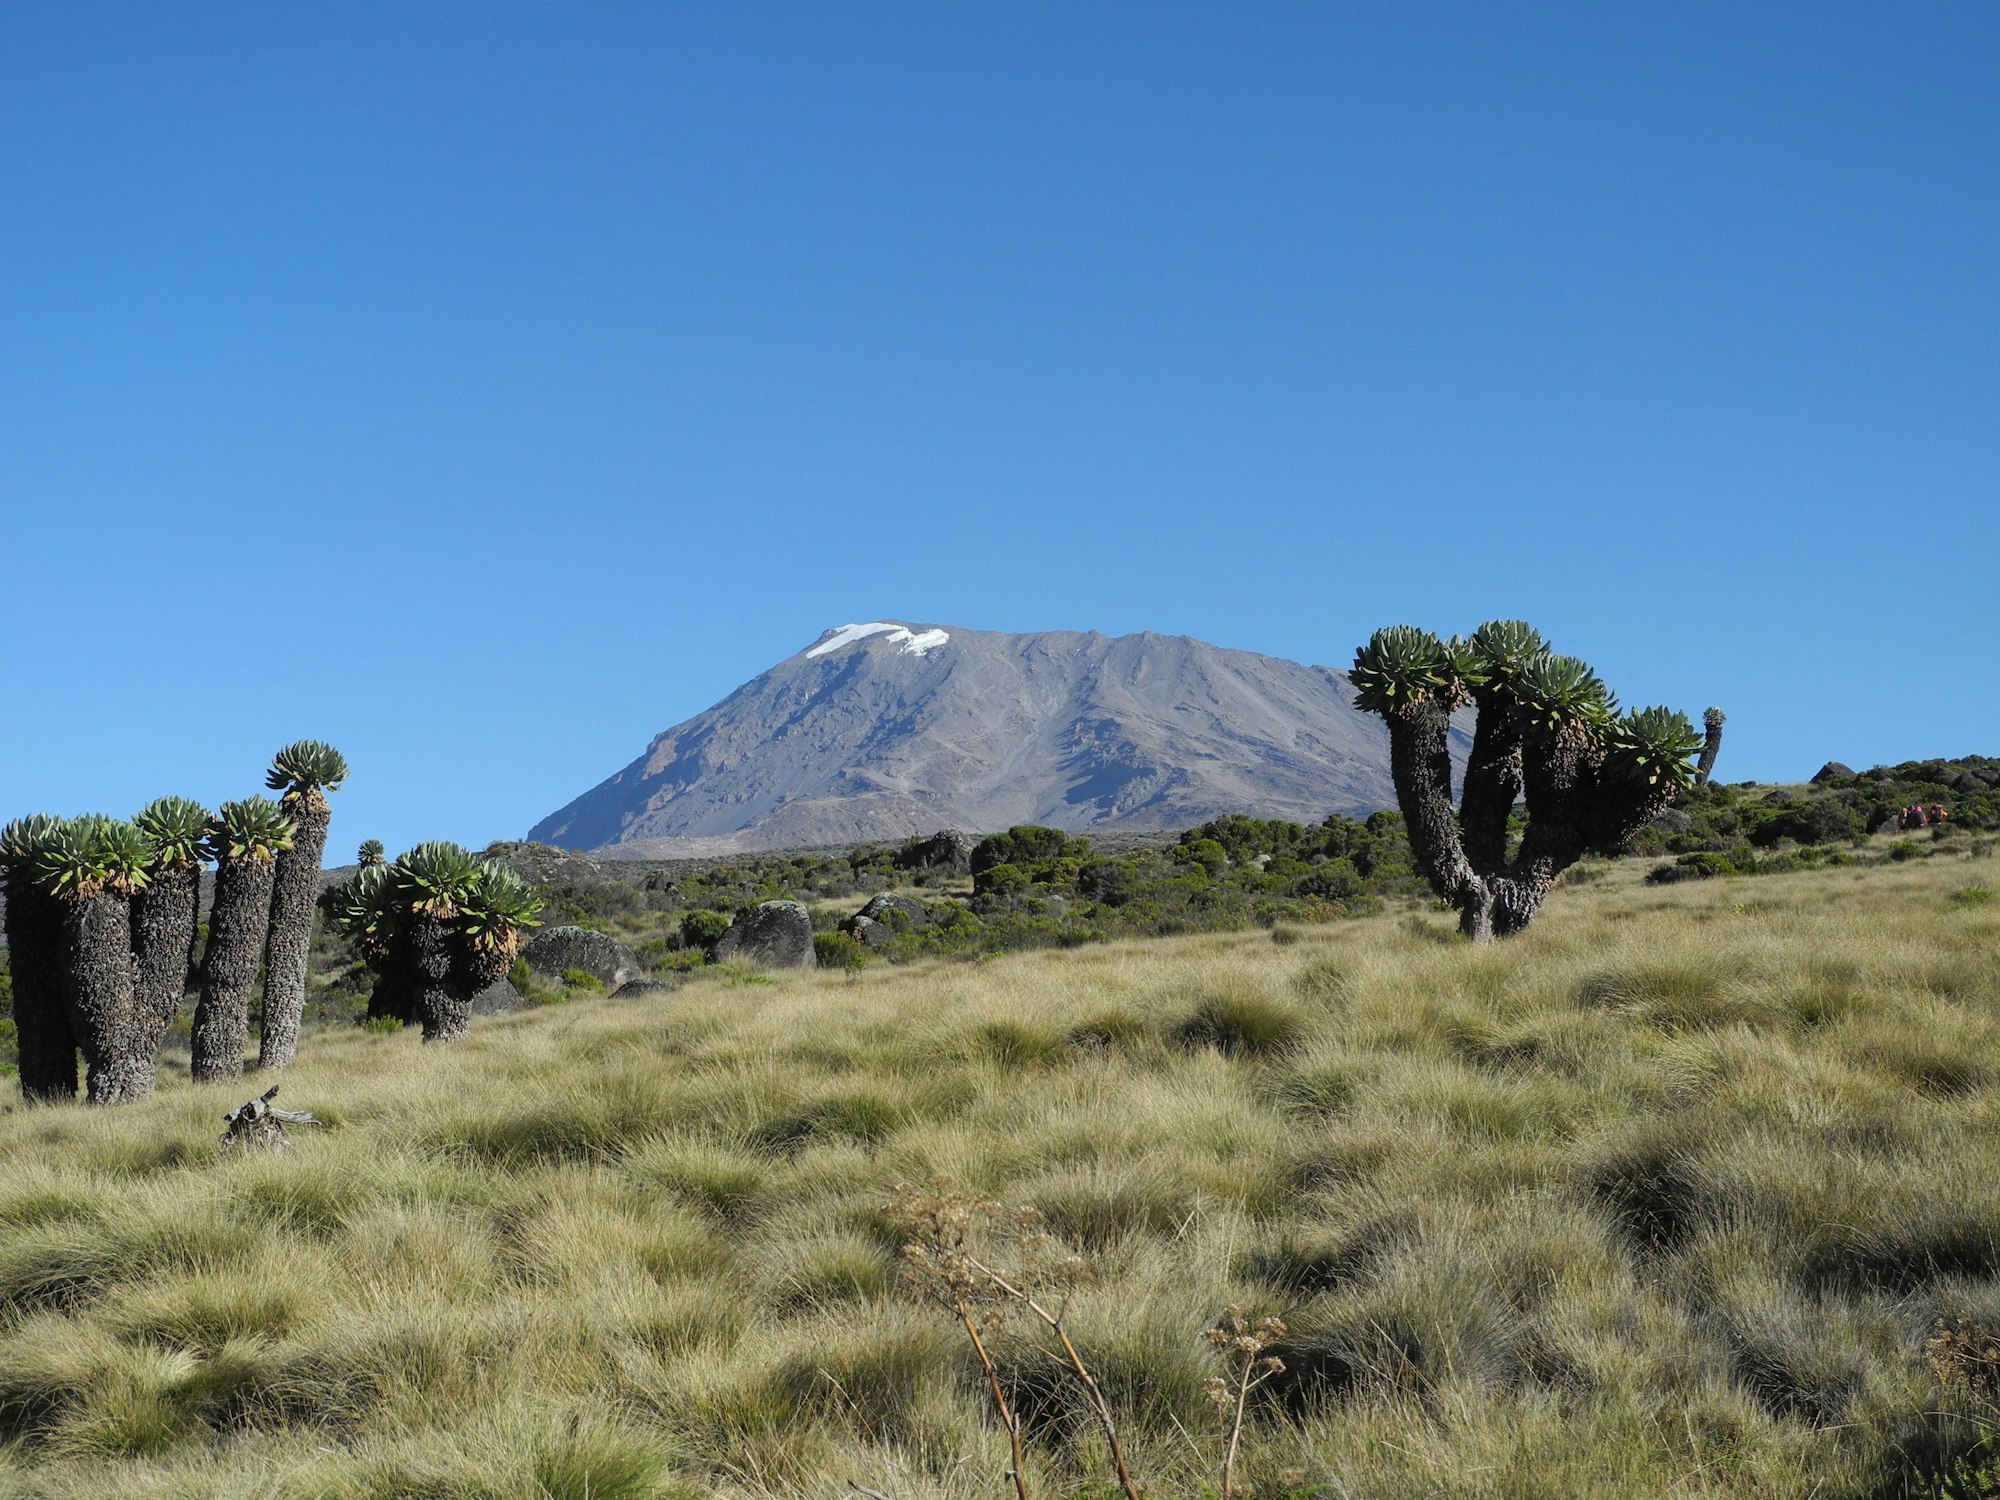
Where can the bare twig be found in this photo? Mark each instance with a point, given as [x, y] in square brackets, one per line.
[937, 1225]
[1095, 1393]
[1242, 1349]
[1008, 1417]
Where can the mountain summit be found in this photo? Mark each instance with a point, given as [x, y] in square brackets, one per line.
[888, 729]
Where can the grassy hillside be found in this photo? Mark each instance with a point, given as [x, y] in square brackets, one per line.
[1664, 1197]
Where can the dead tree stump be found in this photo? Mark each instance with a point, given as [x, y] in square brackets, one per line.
[261, 1126]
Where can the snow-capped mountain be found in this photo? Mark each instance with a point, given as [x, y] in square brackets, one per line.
[888, 729]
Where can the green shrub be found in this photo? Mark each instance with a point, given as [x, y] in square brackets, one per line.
[701, 929]
[1207, 854]
[840, 950]
[583, 982]
[1821, 821]
[1001, 880]
[1112, 881]
[1703, 865]
[1336, 880]
[1023, 844]
[1971, 895]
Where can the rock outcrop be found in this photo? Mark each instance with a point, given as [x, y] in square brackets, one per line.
[498, 999]
[556, 950]
[775, 935]
[900, 913]
[644, 989]
[868, 932]
[947, 852]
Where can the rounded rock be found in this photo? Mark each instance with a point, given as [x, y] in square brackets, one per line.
[775, 935]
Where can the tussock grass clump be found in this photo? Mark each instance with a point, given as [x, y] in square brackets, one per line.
[1648, 1180]
[866, 1117]
[715, 1179]
[1324, 981]
[1014, 1044]
[1109, 1028]
[1242, 1022]
[1324, 1080]
[1665, 1196]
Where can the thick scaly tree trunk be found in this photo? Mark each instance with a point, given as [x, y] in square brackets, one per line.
[1497, 897]
[1493, 780]
[294, 893]
[390, 1000]
[41, 1018]
[1711, 745]
[473, 968]
[166, 922]
[102, 989]
[236, 925]
[1420, 766]
[433, 996]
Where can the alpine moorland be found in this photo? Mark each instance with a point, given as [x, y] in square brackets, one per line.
[1692, 1188]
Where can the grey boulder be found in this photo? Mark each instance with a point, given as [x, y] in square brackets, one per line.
[556, 950]
[644, 989]
[775, 935]
[900, 913]
[868, 932]
[498, 999]
[948, 852]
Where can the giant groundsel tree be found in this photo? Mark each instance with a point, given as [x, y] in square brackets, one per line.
[92, 867]
[1548, 728]
[244, 840]
[166, 915]
[42, 1033]
[437, 927]
[1711, 744]
[305, 772]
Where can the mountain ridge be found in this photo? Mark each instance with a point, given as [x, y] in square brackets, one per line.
[891, 729]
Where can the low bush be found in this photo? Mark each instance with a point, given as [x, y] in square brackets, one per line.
[840, 950]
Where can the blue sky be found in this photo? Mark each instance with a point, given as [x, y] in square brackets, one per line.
[485, 387]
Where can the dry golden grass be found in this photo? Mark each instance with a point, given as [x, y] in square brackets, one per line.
[1662, 1198]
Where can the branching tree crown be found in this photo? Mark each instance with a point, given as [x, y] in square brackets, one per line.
[437, 926]
[1547, 727]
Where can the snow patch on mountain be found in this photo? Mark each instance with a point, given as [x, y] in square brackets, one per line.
[914, 643]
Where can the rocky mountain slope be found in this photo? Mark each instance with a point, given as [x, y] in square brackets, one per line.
[884, 730]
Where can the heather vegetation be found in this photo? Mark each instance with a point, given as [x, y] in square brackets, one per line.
[1031, 888]
[1687, 1189]
[1034, 887]
[1753, 830]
